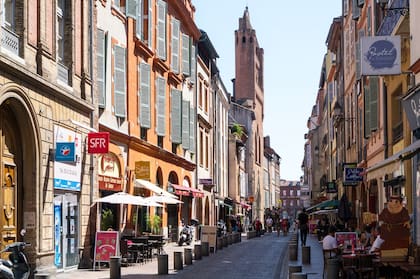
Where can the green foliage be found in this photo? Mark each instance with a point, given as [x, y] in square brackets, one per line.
[154, 223]
[107, 219]
[237, 130]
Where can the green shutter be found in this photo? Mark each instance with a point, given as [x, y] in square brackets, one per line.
[131, 8]
[144, 95]
[160, 106]
[100, 54]
[175, 46]
[139, 20]
[176, 101]
[186, 124]
[185, 54]
[161, 30]
[192, 130]
[367, 111]
[119, 81]
[374, 90]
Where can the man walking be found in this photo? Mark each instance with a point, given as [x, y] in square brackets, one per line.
[303, 226]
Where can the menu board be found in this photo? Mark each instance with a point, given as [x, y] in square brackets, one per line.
[346, 238]
[106, 246]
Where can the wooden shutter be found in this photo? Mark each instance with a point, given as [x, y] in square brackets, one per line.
[367, 111]
[149, 23]
[193, 64]
[176, 101]
[131, 8]
[161, 30]
[144, 95]
[192, 130]
[119, 81]
[185, 54]
[175, 46]
[186, 124]
[374, 89]
[139, 20]
[100, 60]
[160, 106]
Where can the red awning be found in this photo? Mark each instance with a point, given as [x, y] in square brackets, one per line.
[186, 191]
[245, 205]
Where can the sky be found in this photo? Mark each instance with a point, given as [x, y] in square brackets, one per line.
[293, 35]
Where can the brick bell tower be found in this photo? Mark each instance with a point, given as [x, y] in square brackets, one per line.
[249, 93]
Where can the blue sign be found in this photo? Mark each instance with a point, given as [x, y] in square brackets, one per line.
[381, 54]
[65, 152]
[353, 175]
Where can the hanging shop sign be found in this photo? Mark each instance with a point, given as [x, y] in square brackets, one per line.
[67, 174]
[352, 174]
[380, 55]
[331, 187]
[411, 105]
[98, 143]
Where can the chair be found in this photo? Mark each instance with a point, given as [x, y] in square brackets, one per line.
[365, 268]
[127, 256]
[327, 255]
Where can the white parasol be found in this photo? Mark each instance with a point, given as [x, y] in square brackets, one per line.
[123, 198]
[163, 199]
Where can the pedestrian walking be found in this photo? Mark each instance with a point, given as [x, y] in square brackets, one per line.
[303, 226]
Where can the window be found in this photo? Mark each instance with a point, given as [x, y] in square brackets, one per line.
[201, 142]
[161, 30]
[64, 42]
[160, 141]
[206, 99]
[119, 82]
[175, 46]
[9, 15]
[185, 124]
[176, 103]
[60, 29]
[143, 133]
[160, 106]
[101, 66]
[186, 55]
[207, 146]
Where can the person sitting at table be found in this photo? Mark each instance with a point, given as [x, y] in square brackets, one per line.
[329, 243]
[376, 246]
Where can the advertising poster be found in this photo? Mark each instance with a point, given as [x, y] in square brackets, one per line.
[67, 174]
[346, 238]
[57, 235]
[106, 246]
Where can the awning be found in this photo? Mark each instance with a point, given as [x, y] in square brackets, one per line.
[186, 191]
[245, 205]
[324, 211]
[329, 204]
[141, 183]
[392, 163]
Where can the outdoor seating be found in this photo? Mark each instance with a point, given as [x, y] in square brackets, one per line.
[156, 242]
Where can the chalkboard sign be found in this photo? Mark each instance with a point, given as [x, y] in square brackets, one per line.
[106, 246]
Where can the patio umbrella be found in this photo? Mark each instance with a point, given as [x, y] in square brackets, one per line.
[123, 198]
[163, 199]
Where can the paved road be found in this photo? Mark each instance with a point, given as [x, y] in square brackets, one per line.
[263, 257]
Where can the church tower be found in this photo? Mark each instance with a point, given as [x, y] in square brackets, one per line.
[249, 94]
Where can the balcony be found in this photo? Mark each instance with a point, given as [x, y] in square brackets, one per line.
[9, 41]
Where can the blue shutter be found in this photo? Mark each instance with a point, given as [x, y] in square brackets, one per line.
[193, 64]
[144, 95]
[185, 54]
[119, 81]
[161, 30]
[176, 101]
[100, 52]
[192, 130]
[131, 8]
[139, 20]
[175, 46]
[160, 106]
[185, 124]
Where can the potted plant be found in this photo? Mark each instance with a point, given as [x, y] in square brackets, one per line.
[237, 130]
[154, 223]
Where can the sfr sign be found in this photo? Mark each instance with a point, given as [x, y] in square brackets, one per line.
[98, 142]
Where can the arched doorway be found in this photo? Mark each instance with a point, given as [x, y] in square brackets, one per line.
[172, 209]
[18, 164]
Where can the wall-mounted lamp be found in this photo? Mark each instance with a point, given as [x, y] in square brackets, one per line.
[338, 114]
[392, 8]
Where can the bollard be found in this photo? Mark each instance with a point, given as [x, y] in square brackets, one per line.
[299, 275]
[197, 252]
[306, 254]
[219, 243]
[188, 256]
[115, 267]
[332, 268]
[178, 260]
[230, 239]
[163, 264]
[204, 249]
[211, 250]
[294, 269]
[292, 252]
[224, 241]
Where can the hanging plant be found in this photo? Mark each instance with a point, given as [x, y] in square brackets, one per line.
[237, 130]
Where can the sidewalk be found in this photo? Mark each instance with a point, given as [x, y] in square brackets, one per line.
[149, 269]
[316, 267]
